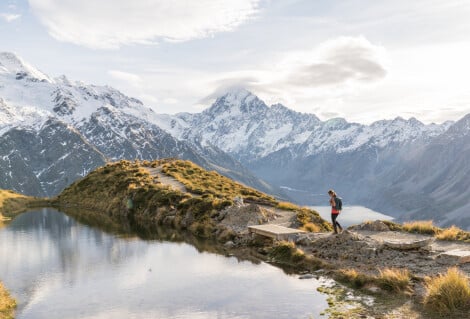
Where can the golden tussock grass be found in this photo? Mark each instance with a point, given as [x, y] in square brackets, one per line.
[353, 277]
[7, 304]
[448, 293]
[428, 228]
[210, 183]
[311, 227]
[287, 253]
[420, 227]
[388, 279]
[395, 280]
[452, 233]
[287, 206]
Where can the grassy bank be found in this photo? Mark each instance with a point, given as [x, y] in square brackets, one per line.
[7, 304]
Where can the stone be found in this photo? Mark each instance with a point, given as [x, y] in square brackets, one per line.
[229, 244]
[401, 244]
[377, 226]
[307, 276]
[454, 257]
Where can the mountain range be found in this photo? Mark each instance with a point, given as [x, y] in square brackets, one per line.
[54, 131]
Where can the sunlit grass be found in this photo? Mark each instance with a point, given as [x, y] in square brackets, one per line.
[388, 279]
[392, 279]
[7, 304]
[353, 277]
[448, 293]
[420, 227]
[311, 227]
[452, 233]
[210, 183]
[287, 206]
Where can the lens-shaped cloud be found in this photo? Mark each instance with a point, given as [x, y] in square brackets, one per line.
[108, 24]
[341, 60]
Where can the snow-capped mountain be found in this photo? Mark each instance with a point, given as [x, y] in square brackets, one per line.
[395, 166]
[54, 131]
[244, 126]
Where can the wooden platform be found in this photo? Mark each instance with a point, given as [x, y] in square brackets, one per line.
[274, 231]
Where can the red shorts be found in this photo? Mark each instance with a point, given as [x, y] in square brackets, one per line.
[335, 212]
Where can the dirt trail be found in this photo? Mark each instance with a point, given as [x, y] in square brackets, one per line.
[283, 217]
[156, 172]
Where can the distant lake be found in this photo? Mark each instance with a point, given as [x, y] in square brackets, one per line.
[351, 215]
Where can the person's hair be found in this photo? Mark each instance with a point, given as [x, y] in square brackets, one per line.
[332, 192]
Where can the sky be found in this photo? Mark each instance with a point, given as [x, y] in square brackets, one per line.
[364, 60]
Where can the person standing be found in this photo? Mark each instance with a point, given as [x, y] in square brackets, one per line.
[336, 206]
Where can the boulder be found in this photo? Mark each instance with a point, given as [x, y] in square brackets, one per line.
[401, 244]
[377, 226]
[454, 257]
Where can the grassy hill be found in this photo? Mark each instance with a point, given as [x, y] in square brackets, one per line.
[125, 191]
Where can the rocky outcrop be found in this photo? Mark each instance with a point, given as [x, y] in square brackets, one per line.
[239, 218]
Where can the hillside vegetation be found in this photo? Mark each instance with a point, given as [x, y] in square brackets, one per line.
[125, 191]
[210, 183]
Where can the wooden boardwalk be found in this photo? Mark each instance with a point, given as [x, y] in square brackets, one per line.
[274, 231]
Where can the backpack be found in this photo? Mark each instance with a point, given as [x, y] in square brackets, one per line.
[338, 203]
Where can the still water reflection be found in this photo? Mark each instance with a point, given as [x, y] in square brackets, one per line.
[59, 268]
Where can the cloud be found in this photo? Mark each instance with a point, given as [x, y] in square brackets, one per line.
[338, 61]
[224, 85]
[170, 100]
[9, 17]
[329, 71]
[130, 78]
[110, 24]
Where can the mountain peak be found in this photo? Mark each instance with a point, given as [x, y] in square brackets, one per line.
[236, 95]
[10, 63]
[238, 100]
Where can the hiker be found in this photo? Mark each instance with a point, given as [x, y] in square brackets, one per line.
[336, 206]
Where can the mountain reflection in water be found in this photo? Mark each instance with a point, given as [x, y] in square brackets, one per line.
[57, 267]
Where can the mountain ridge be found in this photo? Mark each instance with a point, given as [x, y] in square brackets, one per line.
[98, 120]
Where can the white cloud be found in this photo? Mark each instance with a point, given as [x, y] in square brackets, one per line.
[170, 100]
[108, 24]
[130, 78]
[334, 68]
[9, 17]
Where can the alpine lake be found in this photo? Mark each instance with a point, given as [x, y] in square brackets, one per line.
[58, 267]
